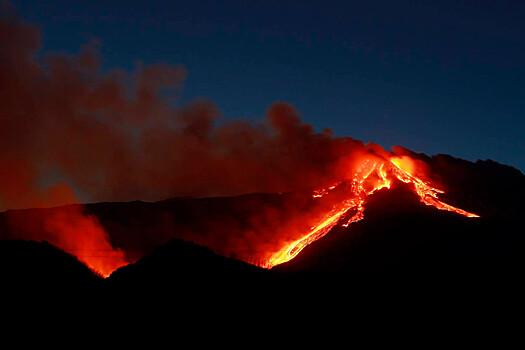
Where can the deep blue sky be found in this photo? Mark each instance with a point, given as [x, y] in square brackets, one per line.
[434, 76]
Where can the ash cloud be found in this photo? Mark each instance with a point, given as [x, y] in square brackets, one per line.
[72, 132]
[67, 126]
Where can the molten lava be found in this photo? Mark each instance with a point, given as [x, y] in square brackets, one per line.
[371, 176]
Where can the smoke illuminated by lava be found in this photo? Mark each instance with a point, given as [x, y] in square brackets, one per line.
[72, 230]
[70, 130]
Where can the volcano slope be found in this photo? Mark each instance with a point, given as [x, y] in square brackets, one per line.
[399, 238]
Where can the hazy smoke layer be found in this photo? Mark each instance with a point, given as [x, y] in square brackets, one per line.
[71, 132]
[68, 127]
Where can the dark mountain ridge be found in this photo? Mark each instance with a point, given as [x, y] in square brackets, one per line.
[400, 238]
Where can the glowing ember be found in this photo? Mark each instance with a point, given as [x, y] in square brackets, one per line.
[372, 175]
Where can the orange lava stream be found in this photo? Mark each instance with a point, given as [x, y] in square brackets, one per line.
[427, 193]
[372, 176]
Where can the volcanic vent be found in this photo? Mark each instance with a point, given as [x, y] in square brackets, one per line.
[373, 174]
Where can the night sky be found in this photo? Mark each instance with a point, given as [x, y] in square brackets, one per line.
[434, 76]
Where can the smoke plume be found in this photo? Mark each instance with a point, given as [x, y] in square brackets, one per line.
[67, 125]
[70, 129]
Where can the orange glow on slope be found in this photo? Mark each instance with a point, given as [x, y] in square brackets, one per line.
[404, 168]
[70, 228]
[83, 236]
[371, 176]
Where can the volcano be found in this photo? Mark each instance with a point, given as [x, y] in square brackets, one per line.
[262, 201]
[387, 223]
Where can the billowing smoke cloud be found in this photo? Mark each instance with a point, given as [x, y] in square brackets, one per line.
[70, 130]
[67, 126]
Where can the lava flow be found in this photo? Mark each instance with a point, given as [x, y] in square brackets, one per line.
[372, 175]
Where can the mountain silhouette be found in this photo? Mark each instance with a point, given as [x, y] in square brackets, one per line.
[399, 239]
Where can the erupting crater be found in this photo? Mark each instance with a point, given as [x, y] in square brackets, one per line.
[373, 174]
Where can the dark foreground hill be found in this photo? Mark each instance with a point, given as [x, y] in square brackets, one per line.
[38, 267]
[186, 264]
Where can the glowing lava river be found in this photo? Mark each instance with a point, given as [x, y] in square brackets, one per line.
[371, 176]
